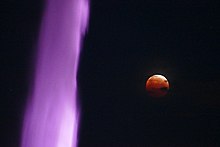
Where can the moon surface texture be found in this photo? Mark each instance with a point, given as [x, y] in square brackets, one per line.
[157, 86]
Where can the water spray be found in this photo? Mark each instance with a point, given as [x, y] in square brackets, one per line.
[52, 115]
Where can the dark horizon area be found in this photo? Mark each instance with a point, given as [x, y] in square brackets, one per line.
[127, 42]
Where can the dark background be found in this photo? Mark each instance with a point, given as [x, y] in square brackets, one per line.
[127, 41]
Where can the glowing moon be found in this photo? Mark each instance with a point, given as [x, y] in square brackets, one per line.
[157, 86]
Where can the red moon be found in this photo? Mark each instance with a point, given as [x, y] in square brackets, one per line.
[157, 86]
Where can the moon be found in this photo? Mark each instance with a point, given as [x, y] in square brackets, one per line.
[157, 86]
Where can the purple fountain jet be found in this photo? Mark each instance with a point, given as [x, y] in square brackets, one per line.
[51, 118]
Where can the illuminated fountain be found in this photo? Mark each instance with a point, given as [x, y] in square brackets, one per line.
[52, 116]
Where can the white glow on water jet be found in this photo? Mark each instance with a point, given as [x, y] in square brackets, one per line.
[52, 116]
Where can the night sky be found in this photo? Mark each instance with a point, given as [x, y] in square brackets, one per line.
[127, 41]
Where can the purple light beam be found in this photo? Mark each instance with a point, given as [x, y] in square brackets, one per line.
[51, 118]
